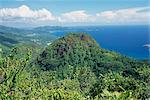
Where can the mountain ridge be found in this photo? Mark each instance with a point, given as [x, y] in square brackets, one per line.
[73, 67]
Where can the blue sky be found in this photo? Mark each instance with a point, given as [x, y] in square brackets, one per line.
[74, 12]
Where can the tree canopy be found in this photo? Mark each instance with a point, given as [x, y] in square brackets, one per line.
[73, 67]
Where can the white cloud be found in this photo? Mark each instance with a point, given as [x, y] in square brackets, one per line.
[24, 13]
[132, 15]
[76, 16]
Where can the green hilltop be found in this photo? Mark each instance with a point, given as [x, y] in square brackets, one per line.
[73, 67]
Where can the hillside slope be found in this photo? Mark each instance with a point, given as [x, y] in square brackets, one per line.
[74, 67]
[80, 51]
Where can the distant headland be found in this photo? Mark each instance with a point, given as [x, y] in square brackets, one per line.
[147, 45]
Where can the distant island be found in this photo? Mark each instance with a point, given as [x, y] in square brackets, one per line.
[147, 45]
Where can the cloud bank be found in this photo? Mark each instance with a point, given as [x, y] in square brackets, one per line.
[131, 15]
[24, 14]
[76, 16]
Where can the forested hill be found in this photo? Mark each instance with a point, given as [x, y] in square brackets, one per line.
[73, 67]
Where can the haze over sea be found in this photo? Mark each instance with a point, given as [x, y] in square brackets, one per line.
[128, 40]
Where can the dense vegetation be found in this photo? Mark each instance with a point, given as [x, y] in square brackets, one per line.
[10, 37]
[73, 67]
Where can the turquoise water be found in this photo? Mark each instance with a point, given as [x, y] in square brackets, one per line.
[127, 40]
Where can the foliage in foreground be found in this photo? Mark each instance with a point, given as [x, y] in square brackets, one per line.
[72, 68]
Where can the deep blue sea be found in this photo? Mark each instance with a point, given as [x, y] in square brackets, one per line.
[127, 40]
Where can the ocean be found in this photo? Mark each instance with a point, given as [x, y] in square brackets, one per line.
[127, 40]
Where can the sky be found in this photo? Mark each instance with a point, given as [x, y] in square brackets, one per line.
[23, 13]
